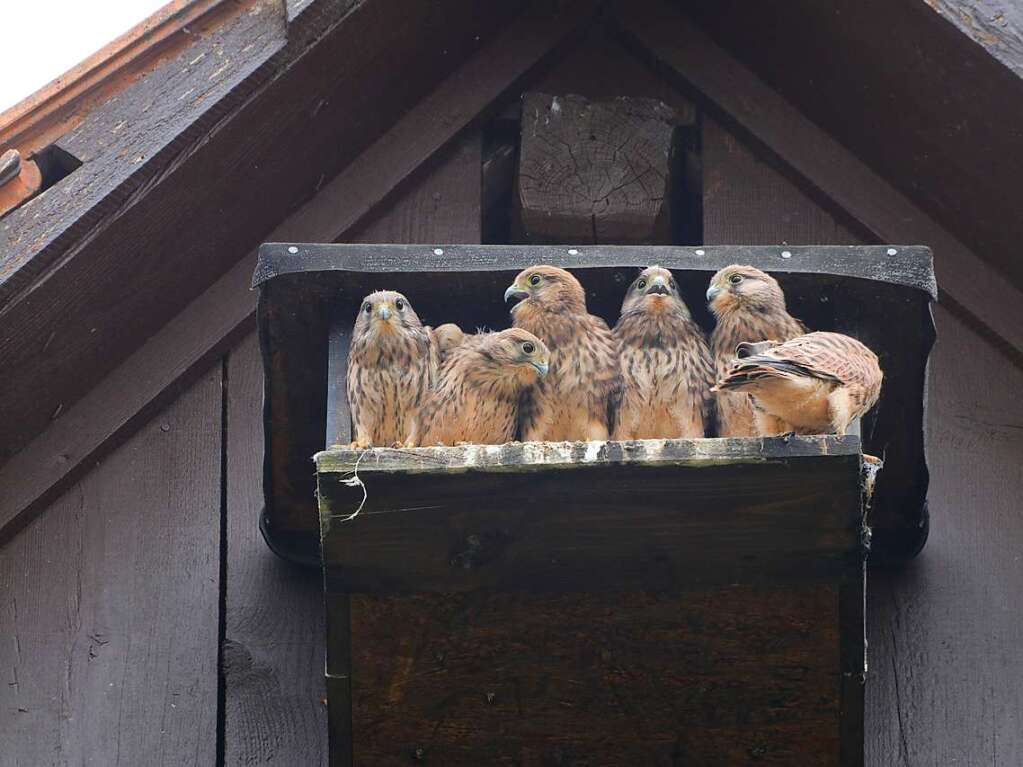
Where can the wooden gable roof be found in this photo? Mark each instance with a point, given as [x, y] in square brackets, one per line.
[339, 102]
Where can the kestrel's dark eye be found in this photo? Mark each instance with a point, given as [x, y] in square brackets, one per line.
[641, 284]
[399, 305]
[535, 279]
[367, 308]
[735, 279]
[528, 348]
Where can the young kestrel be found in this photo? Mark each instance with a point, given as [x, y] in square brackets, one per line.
[476, 398]
[391, 365]
[667, 370]
[811, 384]
[578, 398]
[749, 306]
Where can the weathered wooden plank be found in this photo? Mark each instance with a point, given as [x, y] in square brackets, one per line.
[81, 313]
[735, 96]
[109, 604]
[945, 632]
[998, 27]
[595, 171]
[735, 675]
[274, 627]
[908, 266]
[225, 312]
[658, 514]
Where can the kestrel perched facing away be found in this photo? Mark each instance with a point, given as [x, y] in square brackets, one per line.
[667, 370]
[749, 306]
[391, 365]
[812, 384]
[479, 387]
[577, 399]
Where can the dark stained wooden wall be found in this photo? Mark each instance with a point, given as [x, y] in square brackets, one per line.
[113, 600]
[946, 673]
[109, 604]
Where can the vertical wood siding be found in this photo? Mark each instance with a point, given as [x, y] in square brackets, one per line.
[109, 603]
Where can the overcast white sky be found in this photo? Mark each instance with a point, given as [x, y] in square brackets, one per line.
[45, 38]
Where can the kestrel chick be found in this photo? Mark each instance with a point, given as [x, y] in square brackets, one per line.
[749, 306]
[577, 399]
[479, 387]
[391, 366]
[446, 337]
[667, 370]
[812, 384]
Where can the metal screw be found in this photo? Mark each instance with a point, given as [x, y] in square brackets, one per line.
[573, 252]
[786, 254]
[892, 251]
[438, 251]
[293, 249]
[701, 252]
[419, 753]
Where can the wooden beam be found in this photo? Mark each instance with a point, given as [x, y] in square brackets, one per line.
[735, 95]
[44, 116]
[225, 312]
[582, 516]
[102, 260]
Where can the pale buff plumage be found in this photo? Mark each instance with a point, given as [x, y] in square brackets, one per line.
[479, 387]
[812, 384]
[749, 306]
[392, 364]
[667, 370]
[578, 398]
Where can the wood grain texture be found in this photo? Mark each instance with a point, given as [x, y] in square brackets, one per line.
[945, 631]
[994, 24]
[735, 96]
[274, 633]
[111, 412]
[83, 315]
[108, 605]
[736, 675]
[657, 514]
[595, 171]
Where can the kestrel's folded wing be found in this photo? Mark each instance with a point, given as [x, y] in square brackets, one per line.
[827, 356]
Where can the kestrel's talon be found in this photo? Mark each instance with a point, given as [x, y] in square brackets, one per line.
[873, 460]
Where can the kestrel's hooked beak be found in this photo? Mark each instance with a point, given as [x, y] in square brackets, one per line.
[514, 291]
[658, 287]
[384, 313]
[541, 368]
[713, 292]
